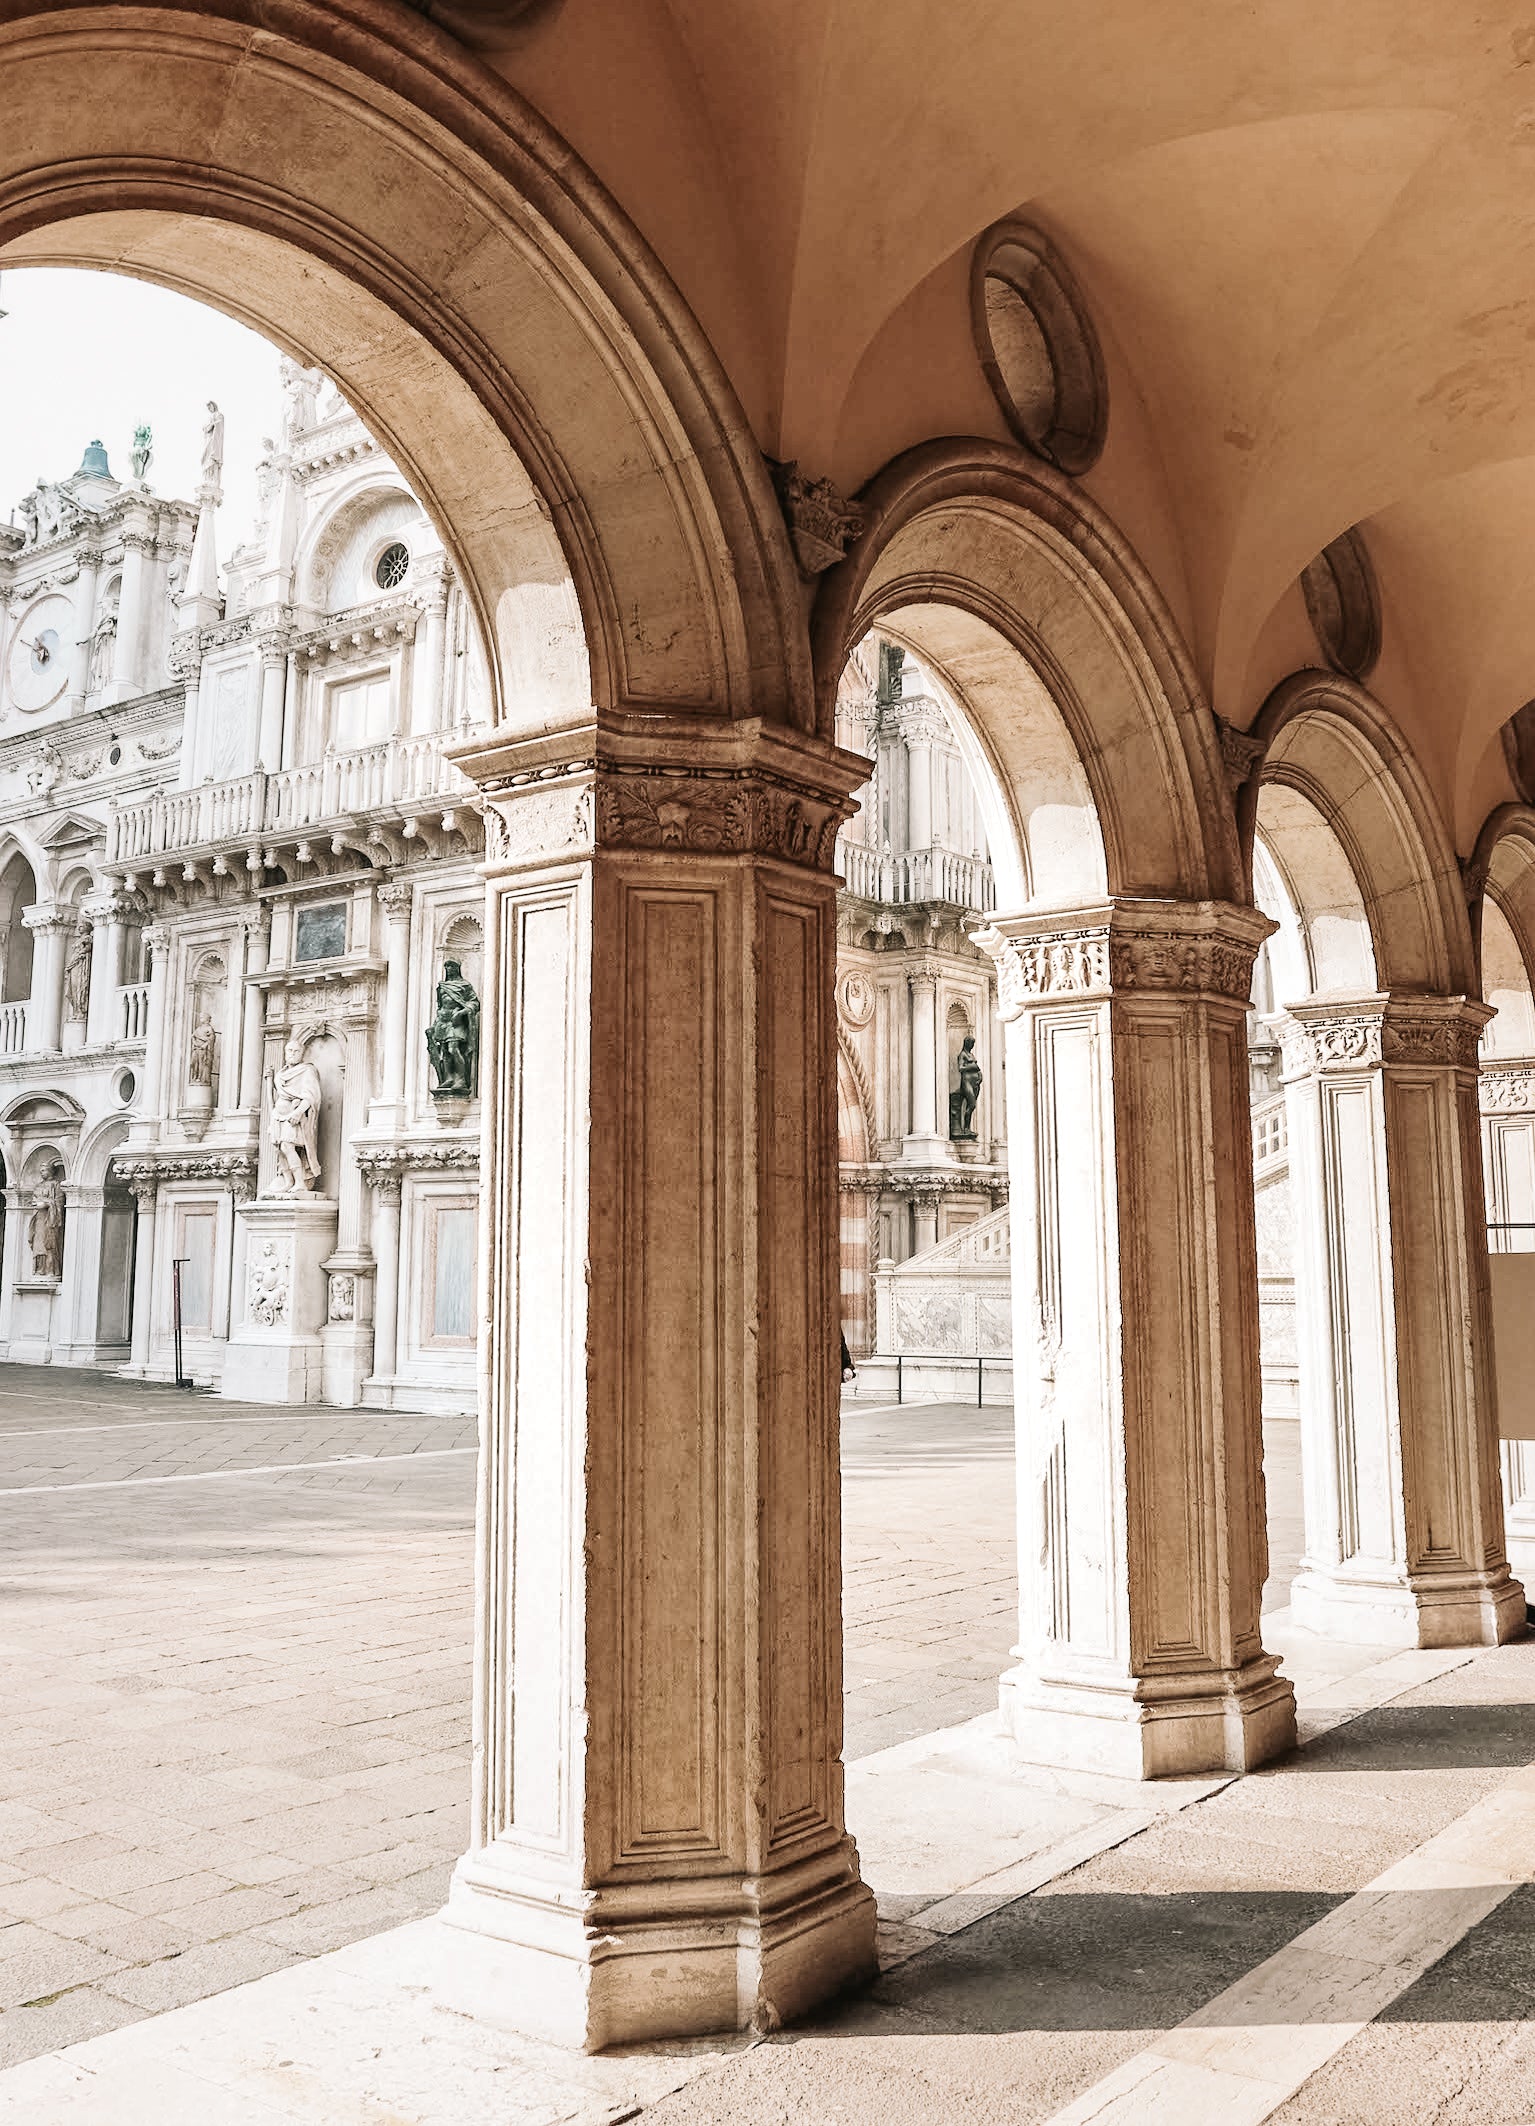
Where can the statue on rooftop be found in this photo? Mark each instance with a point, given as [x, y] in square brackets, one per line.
[143, 449]
[453, 1038]
[213, 449]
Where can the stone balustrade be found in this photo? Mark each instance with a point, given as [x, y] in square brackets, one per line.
[398, 772]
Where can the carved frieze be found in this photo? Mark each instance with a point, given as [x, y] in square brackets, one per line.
[1103, 959]
[1507, 1090]
[383, 1166]
[709, 812]
[1389, 1033]
[233, 1170]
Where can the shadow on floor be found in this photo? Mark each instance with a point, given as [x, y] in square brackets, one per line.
[1419, 1738]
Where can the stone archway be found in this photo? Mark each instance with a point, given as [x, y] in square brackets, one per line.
[657, 1842]
[1124, 951]
[1404, 1535]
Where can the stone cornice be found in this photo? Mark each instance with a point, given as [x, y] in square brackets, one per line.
[384, 1166]
[678, 784]
[147, 1173]
[1122, 947]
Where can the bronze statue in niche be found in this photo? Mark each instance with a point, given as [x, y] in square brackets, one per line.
[453, 1038]
[966, 1095]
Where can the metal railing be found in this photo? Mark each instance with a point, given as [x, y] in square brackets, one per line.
[358, 779]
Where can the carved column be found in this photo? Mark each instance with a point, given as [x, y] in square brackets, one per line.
[50, 929]
[157, 943]
[144, 1184]
[395, 901]
[1141, 1533]
[127, 657]
[85, 625]
[1507, 1090]
[659, 1840]
[258, 936]
[925, 1205]
[384, 1239]
[274, 674]
[106, 916]
[426, 688]
[1404, 1530]
[924, 1141]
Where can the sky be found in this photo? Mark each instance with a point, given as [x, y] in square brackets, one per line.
[84, 355]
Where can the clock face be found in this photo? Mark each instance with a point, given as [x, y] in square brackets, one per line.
[38, 665]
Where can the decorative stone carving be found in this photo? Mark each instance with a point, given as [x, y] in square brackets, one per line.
[236, 1170]
[143, 449]
[1315, 1044]
[268, 1278]
[964, 1099]
[1450, 1038]
[822, 522]
[342, 1303]
[45, 1227]
[295, 1113]
[855, 999]
[1074, 964]
[1507, 1091]
[1240, 752]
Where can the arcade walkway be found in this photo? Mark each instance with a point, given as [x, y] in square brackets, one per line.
[235, 1643]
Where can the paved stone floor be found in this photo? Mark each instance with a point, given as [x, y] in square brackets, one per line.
[236, 1650]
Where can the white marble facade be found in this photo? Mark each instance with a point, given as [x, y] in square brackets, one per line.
[912, 988]
[230, 833]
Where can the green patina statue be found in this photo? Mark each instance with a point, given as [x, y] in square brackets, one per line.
[453, 1038]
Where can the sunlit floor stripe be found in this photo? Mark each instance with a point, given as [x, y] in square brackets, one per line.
[1251, 2048]
[213, 1476]
[282, 1415]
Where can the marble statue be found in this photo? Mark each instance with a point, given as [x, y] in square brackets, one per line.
[213, 448]
[295, 1088]
[453, 1038]
[77, 975]
[103, 646]
[29, 517]
[143, 449]
[201, 1052]
[45, 1227]
[963, 1100]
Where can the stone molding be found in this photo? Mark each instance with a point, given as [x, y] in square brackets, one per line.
[146, 1176]
[1366, 1032]
[384, 1166]
[1507, 1088]
[44, 921]
[700, 787]
[1126, 946]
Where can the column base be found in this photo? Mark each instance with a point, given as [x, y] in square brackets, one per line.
[650, 1960]
[1153, 1727]
[1413, 1609]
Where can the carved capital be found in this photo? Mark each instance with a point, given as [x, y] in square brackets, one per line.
[1241, 753]
[822, 522]
[44, 922]
[395, 899]
[1362, 1033]
[1123, 947]
[696, 787]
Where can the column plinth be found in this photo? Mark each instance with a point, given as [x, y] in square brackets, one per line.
[1142, 1543]
[1399, 1460]
[659, 1844]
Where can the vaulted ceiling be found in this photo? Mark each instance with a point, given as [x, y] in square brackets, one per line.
[1305, 231]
